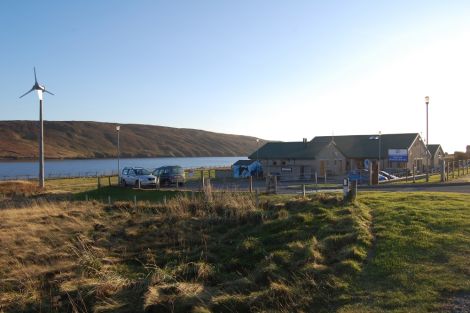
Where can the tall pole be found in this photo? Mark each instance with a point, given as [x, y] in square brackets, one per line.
[380, 150]
[426, 99]
[118, 154]
[40, 90]
[257, 158]
[41, 144]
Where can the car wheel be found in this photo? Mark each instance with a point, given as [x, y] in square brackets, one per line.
[123, 182]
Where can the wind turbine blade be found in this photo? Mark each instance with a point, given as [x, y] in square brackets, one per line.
[49, 92]
[35, 79]
[27, 93]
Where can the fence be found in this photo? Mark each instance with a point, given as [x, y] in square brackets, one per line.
[60, 175]
[190, 173]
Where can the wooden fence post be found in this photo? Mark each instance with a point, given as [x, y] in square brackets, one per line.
[316, 181]
[202, 180]
[275, 185]
[447, 170]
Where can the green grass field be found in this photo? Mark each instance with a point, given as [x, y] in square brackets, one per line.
[421, 255]
[116, 193]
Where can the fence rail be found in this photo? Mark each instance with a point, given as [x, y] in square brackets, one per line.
[196, 172]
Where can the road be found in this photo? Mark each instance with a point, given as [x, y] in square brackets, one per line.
[457, 187]
[288, 187]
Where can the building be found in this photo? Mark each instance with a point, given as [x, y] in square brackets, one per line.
[437, 154]
[406, 150]
[300, 160]
[337, 155]
[246, 168]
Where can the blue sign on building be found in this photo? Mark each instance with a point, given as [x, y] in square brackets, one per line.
[398, 155]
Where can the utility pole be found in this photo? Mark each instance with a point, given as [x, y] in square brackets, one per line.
[118, 128]
[426, 99]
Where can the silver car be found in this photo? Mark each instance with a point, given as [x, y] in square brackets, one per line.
[137, 176]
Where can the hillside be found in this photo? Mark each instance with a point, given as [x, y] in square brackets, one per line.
[79, 139]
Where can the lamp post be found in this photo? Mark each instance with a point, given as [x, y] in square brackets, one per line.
[257, 157]
[426, 100]
[380, 150]
[118, 128]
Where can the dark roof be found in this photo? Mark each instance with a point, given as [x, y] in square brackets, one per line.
[433, 148]
[367, 146]
[244, 162]
[289, 150]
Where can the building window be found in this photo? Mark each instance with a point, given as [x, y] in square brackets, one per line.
[283, 162]
[274, 163]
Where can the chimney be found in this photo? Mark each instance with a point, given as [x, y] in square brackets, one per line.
[304, 140]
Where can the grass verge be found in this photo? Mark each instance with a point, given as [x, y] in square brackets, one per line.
[421, 257]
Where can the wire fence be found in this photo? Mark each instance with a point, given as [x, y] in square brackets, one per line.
[59, 175]
[190, 173]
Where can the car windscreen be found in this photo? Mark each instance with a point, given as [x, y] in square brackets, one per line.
[142, 172]
[177, 170]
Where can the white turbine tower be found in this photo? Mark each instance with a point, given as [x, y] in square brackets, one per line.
[40, 90]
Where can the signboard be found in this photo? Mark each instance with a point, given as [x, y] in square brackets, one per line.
[398, 155]
[286, 169]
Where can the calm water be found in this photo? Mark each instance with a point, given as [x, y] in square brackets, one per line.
[55, 168]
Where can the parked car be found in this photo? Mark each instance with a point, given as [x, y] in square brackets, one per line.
[362, 176]
[388, 175]
[134, 175]
[398, 172]
[169, 175]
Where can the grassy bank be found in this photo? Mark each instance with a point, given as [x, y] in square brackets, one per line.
[216, 253]
[219, 252]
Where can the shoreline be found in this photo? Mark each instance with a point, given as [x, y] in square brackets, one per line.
[6, 160]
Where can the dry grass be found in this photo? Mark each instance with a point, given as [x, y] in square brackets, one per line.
[14, 189]
[215, 252]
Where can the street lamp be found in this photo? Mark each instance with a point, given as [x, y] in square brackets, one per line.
[118, 128]
[257, 157]
[380, 150]
[426, 100]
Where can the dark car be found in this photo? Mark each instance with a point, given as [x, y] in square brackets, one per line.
[170, 175]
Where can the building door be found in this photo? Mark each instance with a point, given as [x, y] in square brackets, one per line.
[322, 167]
[302, 171]
[339, 167]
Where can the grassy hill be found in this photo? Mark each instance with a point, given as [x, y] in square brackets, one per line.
[219, 252]
[77, 139]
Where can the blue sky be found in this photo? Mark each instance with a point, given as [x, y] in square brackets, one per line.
[279, 70]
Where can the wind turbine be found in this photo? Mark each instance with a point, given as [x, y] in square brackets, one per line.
[40, 90]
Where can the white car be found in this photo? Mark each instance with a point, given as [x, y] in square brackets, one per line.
[137, 176]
